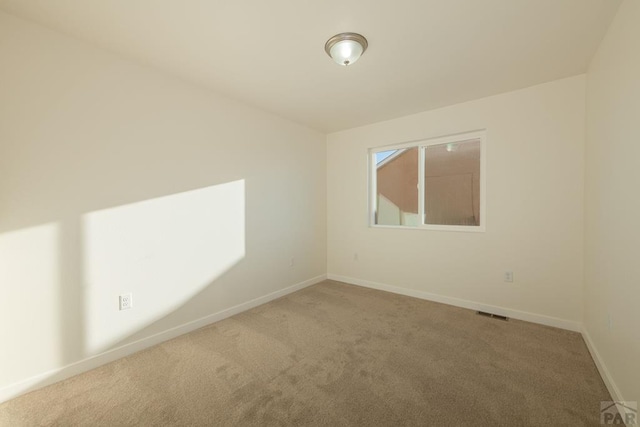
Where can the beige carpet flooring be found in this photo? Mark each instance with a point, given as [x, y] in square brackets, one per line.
[336, 355]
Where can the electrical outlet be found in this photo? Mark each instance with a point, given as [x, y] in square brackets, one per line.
[355, 256]
[292, 262]
[126, 301]
[508, 276]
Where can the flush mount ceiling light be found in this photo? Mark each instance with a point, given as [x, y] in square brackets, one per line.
[346, 48]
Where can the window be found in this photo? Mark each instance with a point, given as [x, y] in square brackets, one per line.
[434, 184]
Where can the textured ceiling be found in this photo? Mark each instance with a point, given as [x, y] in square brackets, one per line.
[422, 54]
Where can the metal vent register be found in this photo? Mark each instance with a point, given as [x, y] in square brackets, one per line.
[494, 316]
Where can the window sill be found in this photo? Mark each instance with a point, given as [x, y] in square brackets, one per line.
[456, 228]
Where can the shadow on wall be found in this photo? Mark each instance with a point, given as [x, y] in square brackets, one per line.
[62, 279]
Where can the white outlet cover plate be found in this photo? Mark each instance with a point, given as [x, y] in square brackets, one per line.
[126, 301]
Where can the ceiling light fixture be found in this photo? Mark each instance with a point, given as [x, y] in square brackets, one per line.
[346, 48]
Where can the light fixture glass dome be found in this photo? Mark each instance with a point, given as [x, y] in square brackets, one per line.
[346, 48]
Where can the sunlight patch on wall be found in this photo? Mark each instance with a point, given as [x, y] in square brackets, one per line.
[29, 305]
[164, 251]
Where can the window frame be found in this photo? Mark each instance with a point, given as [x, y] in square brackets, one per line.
[422, 144]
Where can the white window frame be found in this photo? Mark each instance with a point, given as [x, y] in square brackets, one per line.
[422, 144]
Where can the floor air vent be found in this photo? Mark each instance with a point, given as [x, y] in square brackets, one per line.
[495, 316]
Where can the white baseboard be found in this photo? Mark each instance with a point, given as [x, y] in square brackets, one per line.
[50, 377]
[614, 391]
[472, 305]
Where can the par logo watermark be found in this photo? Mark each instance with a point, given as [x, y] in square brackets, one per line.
[619, 413]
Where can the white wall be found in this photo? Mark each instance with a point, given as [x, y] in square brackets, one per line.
[612, 226]
[117, 178]
[535, 146]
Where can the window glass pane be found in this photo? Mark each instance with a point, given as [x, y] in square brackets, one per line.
[397, 187]
[452, 183]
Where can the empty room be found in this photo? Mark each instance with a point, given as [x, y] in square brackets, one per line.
[319, 213]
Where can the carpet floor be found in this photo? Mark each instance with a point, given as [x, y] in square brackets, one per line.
[336, 355]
